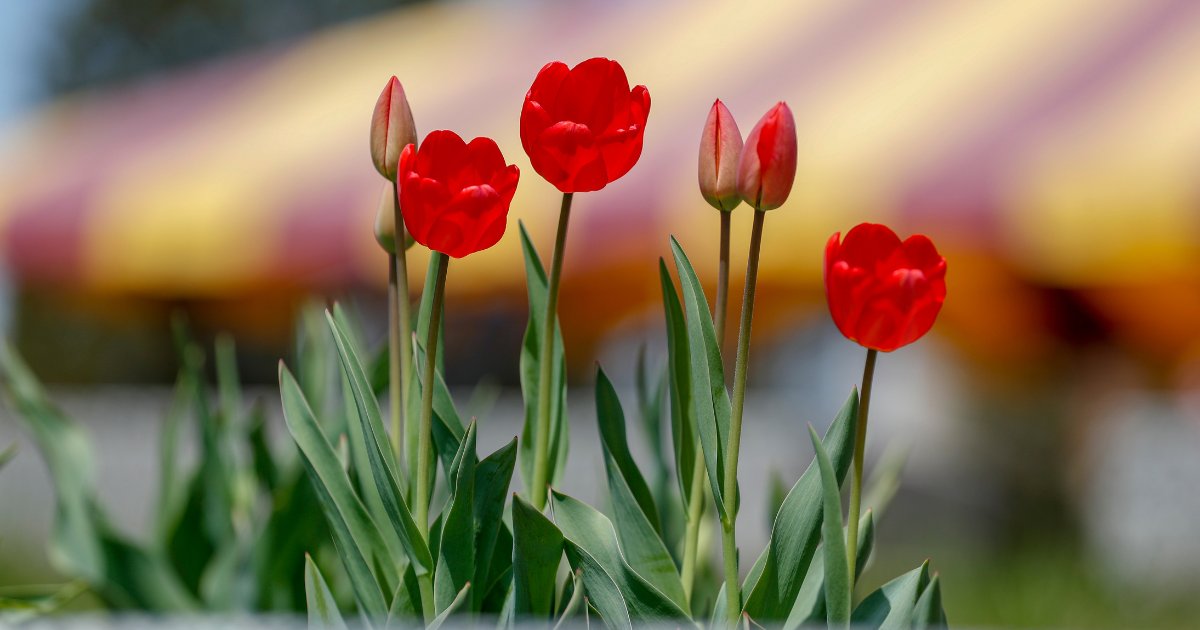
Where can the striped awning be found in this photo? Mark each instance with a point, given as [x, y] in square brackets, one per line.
[1060, 138]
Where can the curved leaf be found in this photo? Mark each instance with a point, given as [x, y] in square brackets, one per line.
[611, 420]
[537, 551]
[809, 609]
[493, 477]
[837, 572]
[322, 609]
[929, 612]
[456, 558]
[683, 434]
[893, 605]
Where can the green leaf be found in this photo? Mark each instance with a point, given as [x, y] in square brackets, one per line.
[537, 551]
[642, 547]
[381, 467]
[771, 590]
[683, 433]
[611, 420]
[493, 477]
[600, 588]
[531, 352]
[809, 609]
[406, 601]
[710, 407]
[456, 559]
[458, 601]
[358, 540]
[8, 454]
[929, 612]
[448, 428]
[591, 539]
[837, 573]
[322, 609]
[893, 605]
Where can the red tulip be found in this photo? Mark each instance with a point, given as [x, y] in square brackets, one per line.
[768, 166]
[455, 195]
[720, 151]
[883, 293]
[392, 128]
[582, 127]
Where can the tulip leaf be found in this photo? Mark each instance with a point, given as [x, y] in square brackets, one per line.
[322, 609]
[82, 543]
[448, 428]
[710, 406]
[537, 551]
[894, 604]
[611, 420]
[929, 612]
[493, 477]
[599, 588]
[772, 585]
[591, 545]
[809, 609]
[456, 603]
[456, 559]
[358, 540]
[381, 474]
[837, 573]
[642, 546]
[683, 432]
[531, 352]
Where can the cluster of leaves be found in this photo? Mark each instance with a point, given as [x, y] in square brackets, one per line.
[249, 528]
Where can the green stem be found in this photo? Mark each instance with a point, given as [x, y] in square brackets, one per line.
[695, 518]
[722, 281]
[425, 447]
[404, 342]
[541, 453]
[425, 584]
[860, 445]
[729, 488]
[394, 400]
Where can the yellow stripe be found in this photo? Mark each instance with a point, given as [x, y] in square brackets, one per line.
[1110, 196]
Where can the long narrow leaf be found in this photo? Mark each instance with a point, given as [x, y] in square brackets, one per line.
[809, 609]
[837, 572]
[358, 540]
[611, 421]
[456, 558]
[893, 605]
[454, 605]
[322, 609]
[683, 433]
[537, 552]
[493, 477]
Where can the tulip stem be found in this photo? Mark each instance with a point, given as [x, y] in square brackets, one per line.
[860, 445]
[394, 368]
[541, 453]
[404, 365]
[729, 489]
[722, 281]
[425, 447]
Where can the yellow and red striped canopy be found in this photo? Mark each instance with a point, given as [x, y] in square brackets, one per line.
[1061, 138]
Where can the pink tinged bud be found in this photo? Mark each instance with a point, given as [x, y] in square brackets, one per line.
[392, 128]
[385, 222]
[768, 165]
[720, 151]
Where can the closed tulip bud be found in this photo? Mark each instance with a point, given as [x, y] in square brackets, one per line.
[385, 222]
[392, 128]
[720, 151]
[768, 164]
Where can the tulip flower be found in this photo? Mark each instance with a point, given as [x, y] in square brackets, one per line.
[582, 127]
[455, 195]
[720, 151]
[768, 165]
[883, 293]
[392, 128]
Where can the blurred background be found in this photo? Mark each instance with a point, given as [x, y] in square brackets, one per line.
[210, 158]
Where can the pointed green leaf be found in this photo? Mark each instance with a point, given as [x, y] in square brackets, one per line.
[837, 573]
[893, 605]
[380, 470]
[591, 533]
[683, 433]
[710, 400]
[771, 592]
[531, 352]
[929, 612]
[611, 420]
[809, 609]
[359, 543]
[600, 589]
[455, 604]
[493, 477]
[537, 551]
[322, 609]
[643, 549]
[456, 558]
